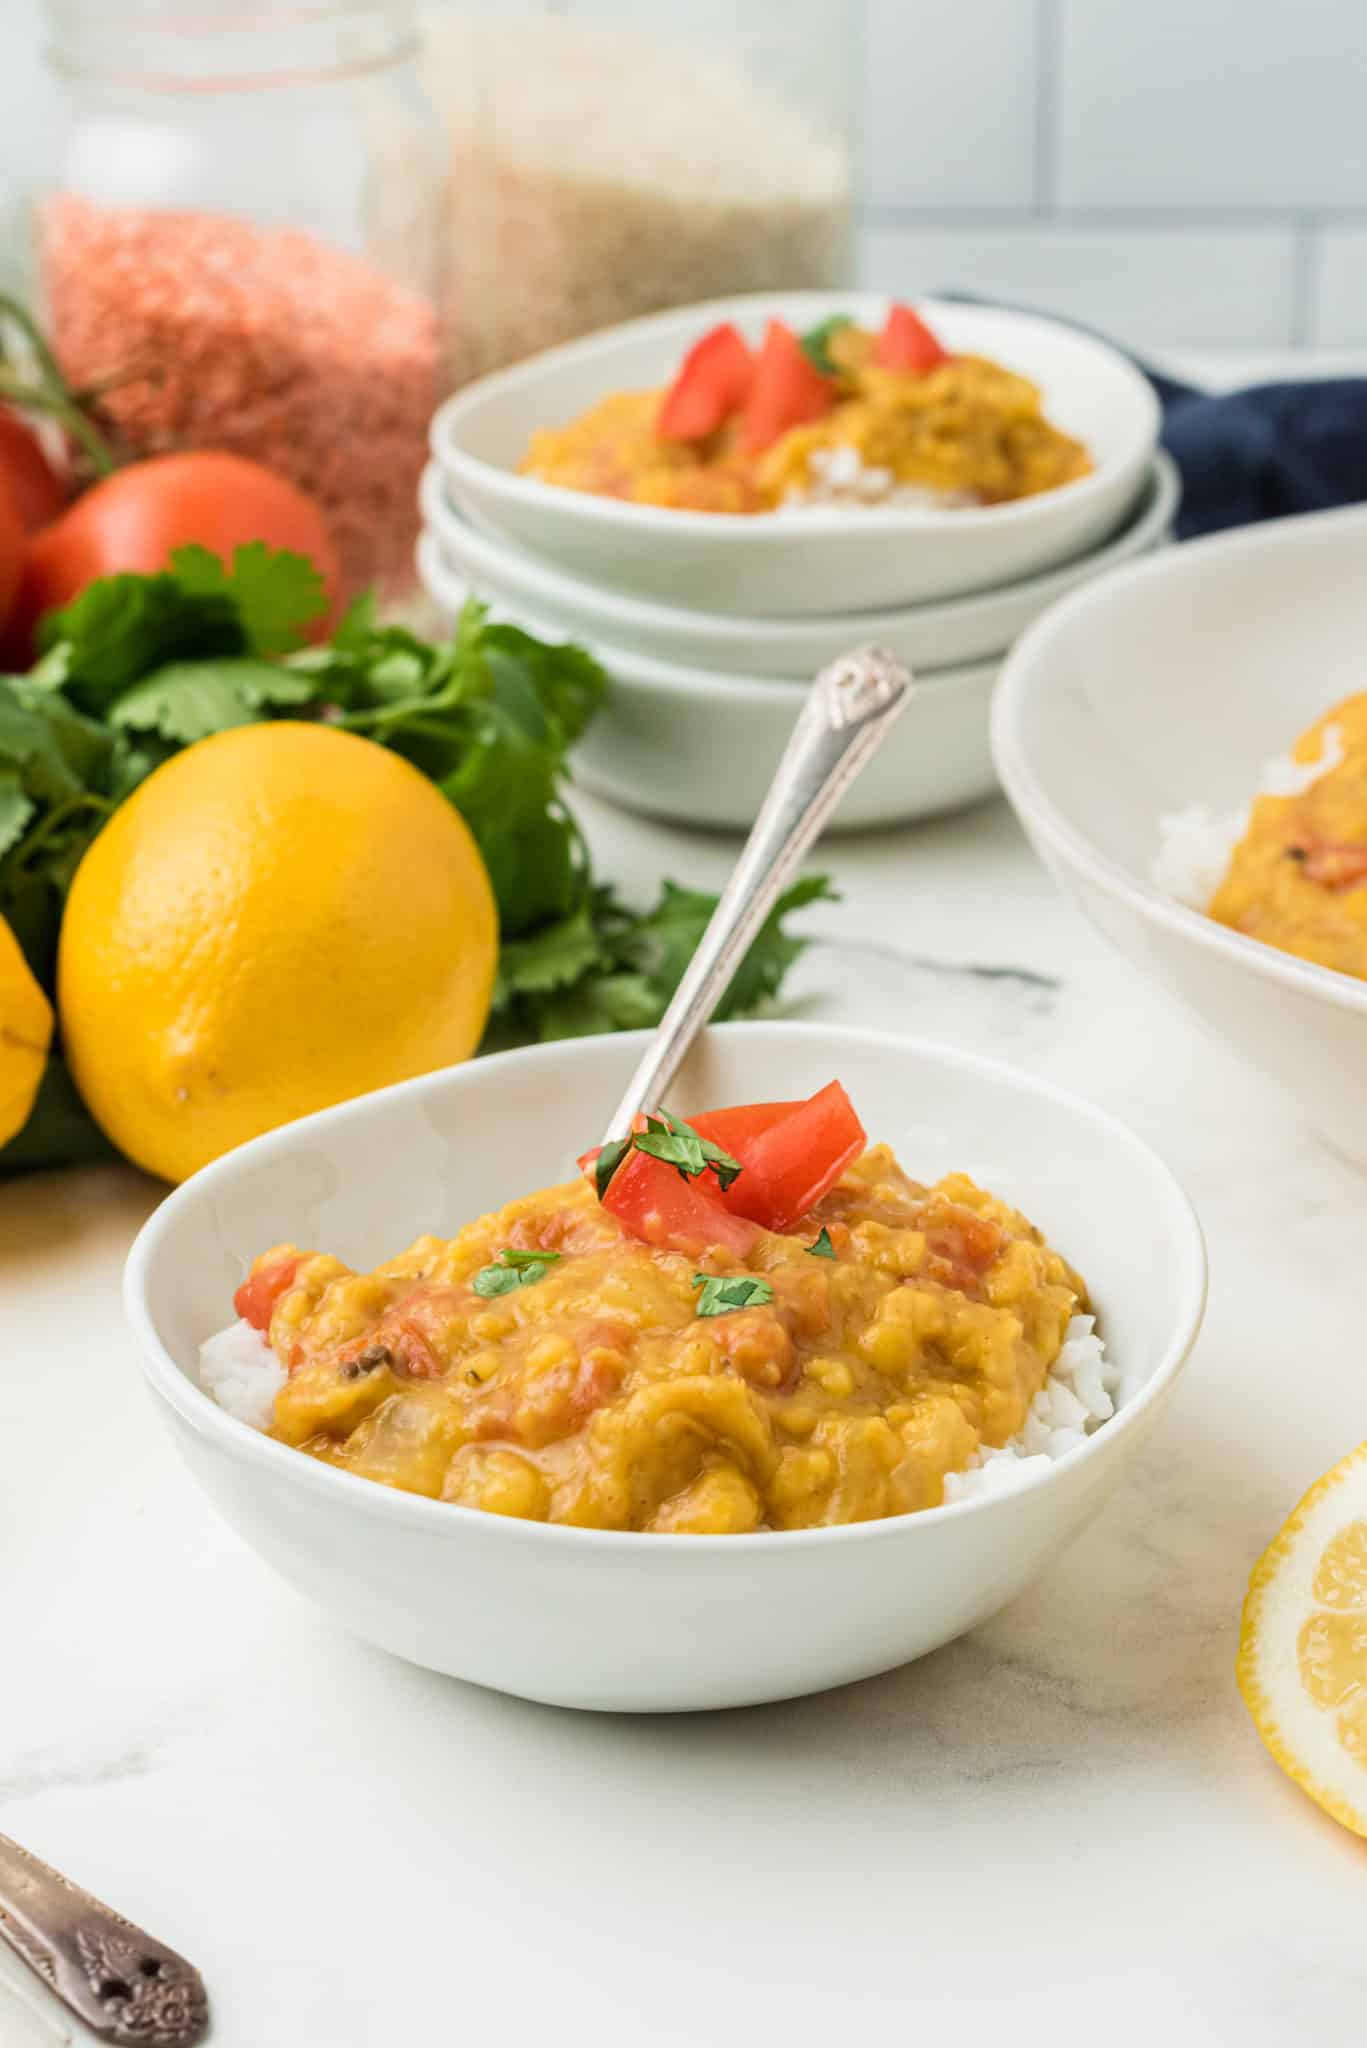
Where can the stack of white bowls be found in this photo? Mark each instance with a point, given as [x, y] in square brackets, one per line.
[711, 625]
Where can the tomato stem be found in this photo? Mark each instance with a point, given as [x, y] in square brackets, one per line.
[51, 393]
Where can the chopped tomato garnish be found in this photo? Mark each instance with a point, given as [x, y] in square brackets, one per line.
[255, 1299]
[906, 343]
[1333, 866]
[787, 391]
[655, 1202]
[741, 1125]
[797, 1158]
[713, 382]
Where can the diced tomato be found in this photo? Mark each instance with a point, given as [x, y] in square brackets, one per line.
[798, 1158]
[741, 1125]
[255, 1299]
[713, 383]
[962, 1245]
[906, 343]
[1333, 866]
[787, 390]
[656, 1203]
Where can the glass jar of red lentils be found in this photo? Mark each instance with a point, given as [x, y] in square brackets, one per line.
[237, 245]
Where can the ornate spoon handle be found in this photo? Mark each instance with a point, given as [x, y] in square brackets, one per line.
[118, 1981]
[848, 710]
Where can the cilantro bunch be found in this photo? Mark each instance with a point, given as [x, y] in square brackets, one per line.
[141, 666]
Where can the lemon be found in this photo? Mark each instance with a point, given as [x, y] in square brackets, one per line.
[25, 1035]
[279, 918]
[1303, 1647]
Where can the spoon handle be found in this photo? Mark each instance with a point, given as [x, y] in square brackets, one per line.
[118, 1981]
[849, 708]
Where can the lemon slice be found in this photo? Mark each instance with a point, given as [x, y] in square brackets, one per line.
[1303, 1645]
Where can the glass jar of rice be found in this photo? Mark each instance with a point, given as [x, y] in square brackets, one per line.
[231, 254]
[617, 157]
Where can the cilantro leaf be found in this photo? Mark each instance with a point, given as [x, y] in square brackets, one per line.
[512, 1269]
[276, 594]
[15, 808]
[822, 1248]
[720, 1296]
[815, 343]
[190, 700]
[670, 1139]
[557, 956]
[606, 1164]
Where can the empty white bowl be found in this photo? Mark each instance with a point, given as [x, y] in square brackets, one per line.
[963, 629]
[1170, 685]
[589, 1618]
[823, 559]
[701, 749]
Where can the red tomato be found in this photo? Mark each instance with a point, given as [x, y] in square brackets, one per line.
[654, 1202]
[135, 519]
[788, 390]
[906, 343]
[255, 1299]
[741, 1125]
[713, 383]
[12, 543]
[788, 1165]
[37, 492]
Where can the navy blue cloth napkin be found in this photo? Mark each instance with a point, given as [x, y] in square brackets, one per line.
[1257, 454]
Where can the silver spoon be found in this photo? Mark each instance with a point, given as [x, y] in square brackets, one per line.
[118, 1981]
[849, 710]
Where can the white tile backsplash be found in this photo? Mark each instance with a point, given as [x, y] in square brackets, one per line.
[1211, 103]
[927, 61]
[1174, 171]
[1150, 287]
[1338, 289]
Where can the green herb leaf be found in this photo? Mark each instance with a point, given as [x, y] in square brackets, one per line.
[190, 700]
[513, 1268]
[607, 1163]
[669, 1138]
[559, 955]
[815, 342]
[823, 1248]
[275, 594]
[15, 809]
[721, 1296]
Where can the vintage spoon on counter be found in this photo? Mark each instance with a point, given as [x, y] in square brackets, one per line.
[849, 709]
[118, 1981]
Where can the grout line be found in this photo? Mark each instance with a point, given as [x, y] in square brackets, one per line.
[1304, 272]
[1046, 108]
[1082, 218]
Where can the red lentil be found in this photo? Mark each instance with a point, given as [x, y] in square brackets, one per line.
[262, 341]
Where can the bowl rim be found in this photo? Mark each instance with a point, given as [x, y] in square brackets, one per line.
[1017, 686]
[248, 1447]
[615, 514]
[1150, 518]
[632, 670]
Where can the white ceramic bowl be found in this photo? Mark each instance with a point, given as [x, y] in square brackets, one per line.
[1169, 685]
[964, 629]
[588, 1618]
[701, 749]
[821, 560]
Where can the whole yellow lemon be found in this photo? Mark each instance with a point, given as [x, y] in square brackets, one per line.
[25, 1035]
[280, 917]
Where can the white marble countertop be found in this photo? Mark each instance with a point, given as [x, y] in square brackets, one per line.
[1064, 1820]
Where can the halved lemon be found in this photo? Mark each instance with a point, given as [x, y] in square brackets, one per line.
[1303, 1645]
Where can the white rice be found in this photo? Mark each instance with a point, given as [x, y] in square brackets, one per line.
[839, 477]
[1195, 849]
[1078, 1396]
[243, 1374]
[239, 1369]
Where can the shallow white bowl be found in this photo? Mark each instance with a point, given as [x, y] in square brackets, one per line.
[822, 560]
[588, 1618]
[963, 629]
[1171, 684]
[701, 749]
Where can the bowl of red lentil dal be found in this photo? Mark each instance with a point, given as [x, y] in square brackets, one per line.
[660, 1616]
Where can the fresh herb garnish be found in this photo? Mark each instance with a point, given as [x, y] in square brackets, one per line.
[140, 666]
[823, 1248]
[814, 343]
[512, 1269]
[721, 1295]
[607, 1163]
[669, 1138]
